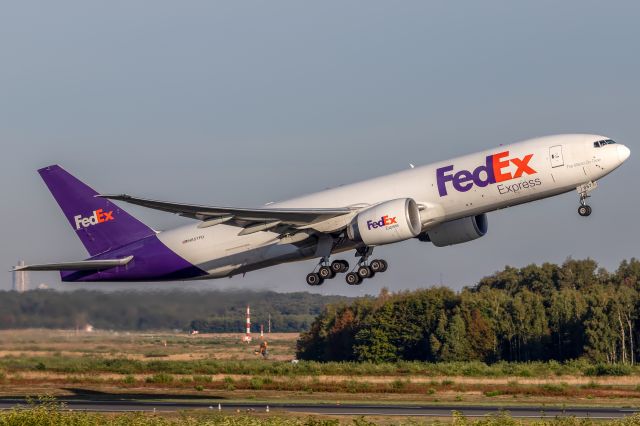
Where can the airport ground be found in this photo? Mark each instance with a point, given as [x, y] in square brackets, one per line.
[172, 371]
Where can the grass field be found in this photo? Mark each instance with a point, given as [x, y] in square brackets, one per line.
[55, 415]
[49, 362]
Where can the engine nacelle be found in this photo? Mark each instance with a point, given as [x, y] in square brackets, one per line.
[385, 223]
[457, 231]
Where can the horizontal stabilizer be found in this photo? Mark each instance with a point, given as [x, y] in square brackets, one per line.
[81, 265]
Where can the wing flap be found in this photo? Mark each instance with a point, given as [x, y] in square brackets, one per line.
[81, 265]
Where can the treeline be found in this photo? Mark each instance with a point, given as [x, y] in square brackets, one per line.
[205, 311]
[547, 312]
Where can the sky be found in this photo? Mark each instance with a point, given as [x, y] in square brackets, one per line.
[242, 103]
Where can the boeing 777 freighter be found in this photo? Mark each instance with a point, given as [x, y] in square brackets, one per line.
[445, 203]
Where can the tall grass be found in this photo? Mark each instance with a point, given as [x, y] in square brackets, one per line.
[52, 414]
[90, 365]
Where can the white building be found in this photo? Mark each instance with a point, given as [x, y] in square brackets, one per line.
[20, 279]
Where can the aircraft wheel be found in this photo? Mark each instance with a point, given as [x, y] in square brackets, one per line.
[385, 265]
[378, 265]
[337, 266]
[365, 272]
[326, 273]
[314, 279]
[584, 210]
[352, 278]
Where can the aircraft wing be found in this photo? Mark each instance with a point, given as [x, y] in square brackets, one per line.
[81, 265]
[292, 217]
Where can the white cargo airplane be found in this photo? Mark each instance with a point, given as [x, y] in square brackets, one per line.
[445, 203]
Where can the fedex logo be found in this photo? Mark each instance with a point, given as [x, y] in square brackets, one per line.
[98, 216]
[384, 221]
[493, 171]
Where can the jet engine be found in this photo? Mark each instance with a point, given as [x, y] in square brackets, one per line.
[385, 223]
[457, 231]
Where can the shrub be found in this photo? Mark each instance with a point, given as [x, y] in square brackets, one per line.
[129, 379]
[256, 383]
[160, 378]
[608, 370]
[354, 386]
[399, 384]
[202, 379]
[554, 388]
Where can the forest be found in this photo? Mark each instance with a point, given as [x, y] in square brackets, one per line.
[205, 311]
[535, 313]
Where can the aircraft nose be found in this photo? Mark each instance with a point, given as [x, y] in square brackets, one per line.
[623, 153]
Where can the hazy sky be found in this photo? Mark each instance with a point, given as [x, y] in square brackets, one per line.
[241, 103]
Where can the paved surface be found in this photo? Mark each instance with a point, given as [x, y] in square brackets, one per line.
[334, 409]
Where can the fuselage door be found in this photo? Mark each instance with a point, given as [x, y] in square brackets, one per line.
[555, 155]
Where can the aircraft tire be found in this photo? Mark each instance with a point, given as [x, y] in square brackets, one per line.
[353, 279]
[584, 211]
[377, 265]
[314, 279]
[337, 266]
[365, 272]
[326, 273]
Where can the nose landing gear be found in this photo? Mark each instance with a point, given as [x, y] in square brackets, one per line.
[583, 191]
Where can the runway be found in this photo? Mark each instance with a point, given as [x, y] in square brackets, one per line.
[336, 409]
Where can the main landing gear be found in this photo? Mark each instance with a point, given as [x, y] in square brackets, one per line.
[327, 270]
[366, 269]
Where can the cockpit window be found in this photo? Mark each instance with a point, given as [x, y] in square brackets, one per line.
[604, 142]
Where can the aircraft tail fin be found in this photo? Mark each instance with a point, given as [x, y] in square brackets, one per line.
[100, 224]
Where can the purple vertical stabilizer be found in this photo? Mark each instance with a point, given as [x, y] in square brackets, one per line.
[100, 224]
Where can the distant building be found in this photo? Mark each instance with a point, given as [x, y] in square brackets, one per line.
[20, 279]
